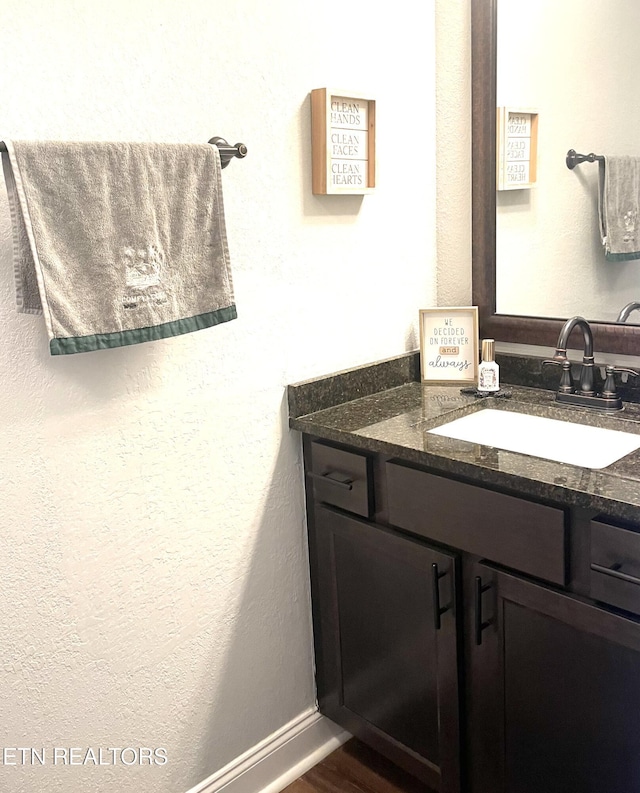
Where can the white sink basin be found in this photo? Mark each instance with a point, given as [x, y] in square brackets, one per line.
[562, 441]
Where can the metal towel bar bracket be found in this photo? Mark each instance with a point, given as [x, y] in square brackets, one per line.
[573, 158]
[227, 152]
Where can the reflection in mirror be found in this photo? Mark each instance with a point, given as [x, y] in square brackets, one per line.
[576, 67]
[623, 316]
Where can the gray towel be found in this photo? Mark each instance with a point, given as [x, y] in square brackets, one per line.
[118, 243]
[619, 207]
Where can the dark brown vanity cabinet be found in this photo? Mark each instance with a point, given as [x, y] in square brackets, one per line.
[389, 644]
[555, 697]
[386, 627]
[474, 637]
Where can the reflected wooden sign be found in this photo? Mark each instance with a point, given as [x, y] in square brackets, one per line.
[517, 147]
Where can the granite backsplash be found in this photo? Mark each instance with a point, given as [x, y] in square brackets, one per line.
[340, 387]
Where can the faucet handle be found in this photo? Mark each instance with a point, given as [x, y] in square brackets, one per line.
[609, 389]
[566, 383]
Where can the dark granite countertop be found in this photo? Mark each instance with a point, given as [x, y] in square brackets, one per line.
[395, 422]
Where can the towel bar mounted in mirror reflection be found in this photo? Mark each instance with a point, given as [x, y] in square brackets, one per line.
[573, 158]
[227, 152]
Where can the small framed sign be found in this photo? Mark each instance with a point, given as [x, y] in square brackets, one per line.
[517, 155]
[343, 143]
[449, 345]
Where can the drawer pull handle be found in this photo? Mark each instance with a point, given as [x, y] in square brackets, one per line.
[334, 477]
[438, 611]
[480, 625]
[615, 572]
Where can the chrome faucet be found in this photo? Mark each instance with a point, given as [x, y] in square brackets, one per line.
[623, 316]
[585, 395]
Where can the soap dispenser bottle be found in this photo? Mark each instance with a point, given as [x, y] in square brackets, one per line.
[488, 371]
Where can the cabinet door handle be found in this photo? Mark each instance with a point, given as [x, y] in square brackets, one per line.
[615, 572]
[438, 611]
[334, 477]
[480, 625]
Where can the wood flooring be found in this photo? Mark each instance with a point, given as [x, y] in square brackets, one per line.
[354, 768]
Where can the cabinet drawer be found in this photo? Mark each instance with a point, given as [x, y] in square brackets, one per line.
[342, 478]
[525, 535]
[615, 566]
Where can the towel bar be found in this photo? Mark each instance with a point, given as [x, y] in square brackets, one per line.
[573, 158]
[227, 152]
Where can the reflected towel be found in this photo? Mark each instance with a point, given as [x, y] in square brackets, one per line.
[619, 207]
[118, 243]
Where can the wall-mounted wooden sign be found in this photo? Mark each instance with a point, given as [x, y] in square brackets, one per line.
[517, 144]
[343, 143]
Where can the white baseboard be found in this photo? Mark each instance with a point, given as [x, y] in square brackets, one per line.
[280, 759]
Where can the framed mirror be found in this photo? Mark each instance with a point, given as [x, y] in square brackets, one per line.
[609, 336]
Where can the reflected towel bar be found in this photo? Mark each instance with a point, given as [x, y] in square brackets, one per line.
[227, 152]
[573, 158]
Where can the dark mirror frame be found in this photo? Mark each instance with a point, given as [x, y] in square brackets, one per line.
[608, 336]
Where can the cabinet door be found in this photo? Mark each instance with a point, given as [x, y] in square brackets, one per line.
[556, 691]
[387, 666]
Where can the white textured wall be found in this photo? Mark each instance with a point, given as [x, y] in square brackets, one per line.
[453, 136]
[153, 574]
[577, 65]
